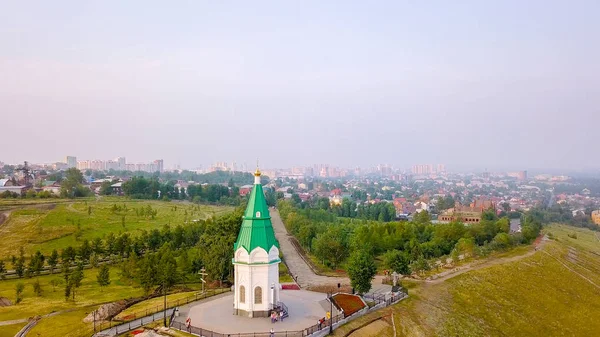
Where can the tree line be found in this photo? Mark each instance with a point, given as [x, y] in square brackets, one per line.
[152, 188]
[381, 211]
[404, 247]
[156, 258]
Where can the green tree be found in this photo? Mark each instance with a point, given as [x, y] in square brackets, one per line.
[72, 185]
[106, 188]
[55, 282]
[103, 275]
[397, 261]
[501, 241]
[20, 263]
[75, 281]
[361, 270]
[420, 265]
[85, 250]
[19, 287]
[53, 260]
[37, 288]
[332, 245]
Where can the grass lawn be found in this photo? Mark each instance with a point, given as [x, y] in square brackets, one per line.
[51, 301]
[46, 229]
[67, 324]
[11, 330]
[547, 294]
[284, 274]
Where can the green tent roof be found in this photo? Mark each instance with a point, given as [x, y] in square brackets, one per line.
[256, 230]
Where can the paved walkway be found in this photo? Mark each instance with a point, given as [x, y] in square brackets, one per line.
[217, 314]
[295, 262]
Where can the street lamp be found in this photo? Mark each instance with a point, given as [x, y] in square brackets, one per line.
[165, 305]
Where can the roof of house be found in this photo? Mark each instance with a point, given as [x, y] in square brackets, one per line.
[256, 230]
[3, 182]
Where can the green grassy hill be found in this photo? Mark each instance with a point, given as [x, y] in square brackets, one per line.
[46, 227]
[555, 291]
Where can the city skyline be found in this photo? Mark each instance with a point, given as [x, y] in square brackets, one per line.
[476, 85]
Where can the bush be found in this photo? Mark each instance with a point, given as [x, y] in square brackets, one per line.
[572, 235]
[501, 241]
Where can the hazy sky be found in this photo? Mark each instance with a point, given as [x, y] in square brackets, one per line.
[496, 84]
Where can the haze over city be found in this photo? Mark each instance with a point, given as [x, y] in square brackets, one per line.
[477, 85]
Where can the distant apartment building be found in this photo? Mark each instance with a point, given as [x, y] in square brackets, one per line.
[71, 161]
[425, 169]
[159, 165]
[467, 214]
[83, 165]
[422, 169]
[121, 163]
[596, 217]
[97, 165]
[520, 175]
[111, 165]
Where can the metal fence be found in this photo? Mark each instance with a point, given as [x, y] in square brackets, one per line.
[301, 333]
[150, 314]
[383, 298]
[324, 325]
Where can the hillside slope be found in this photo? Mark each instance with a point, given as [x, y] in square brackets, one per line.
[555, 291]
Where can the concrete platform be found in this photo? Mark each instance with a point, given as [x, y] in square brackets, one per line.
[217, 314]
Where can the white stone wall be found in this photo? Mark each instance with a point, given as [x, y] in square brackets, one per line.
[261, 274]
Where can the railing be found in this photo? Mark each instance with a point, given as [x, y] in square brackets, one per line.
[382, 298]
[325, 324]
[208, 333]
[149, 315]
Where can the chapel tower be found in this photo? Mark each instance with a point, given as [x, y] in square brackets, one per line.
[256, 259]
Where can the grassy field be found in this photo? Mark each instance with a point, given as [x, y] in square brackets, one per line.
[54, 226]
[68, 320]
[46, 226]
[54, 300]
[556, 291]
[11, 330]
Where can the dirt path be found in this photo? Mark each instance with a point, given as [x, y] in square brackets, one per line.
[14, 321]
[4, 217]
[294, 260]
[441, 277]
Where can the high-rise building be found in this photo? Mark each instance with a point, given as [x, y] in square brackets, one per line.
[158, 165]
[71, 161]
[121, 162]
[83, 165]
[522, 175]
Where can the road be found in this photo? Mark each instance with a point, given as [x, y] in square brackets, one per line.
[295, 262]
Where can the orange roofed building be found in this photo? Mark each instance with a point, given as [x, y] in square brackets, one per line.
[468, 214]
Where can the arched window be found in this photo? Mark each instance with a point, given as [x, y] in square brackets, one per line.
[258, 295]
[258, 214]
[242, 294]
